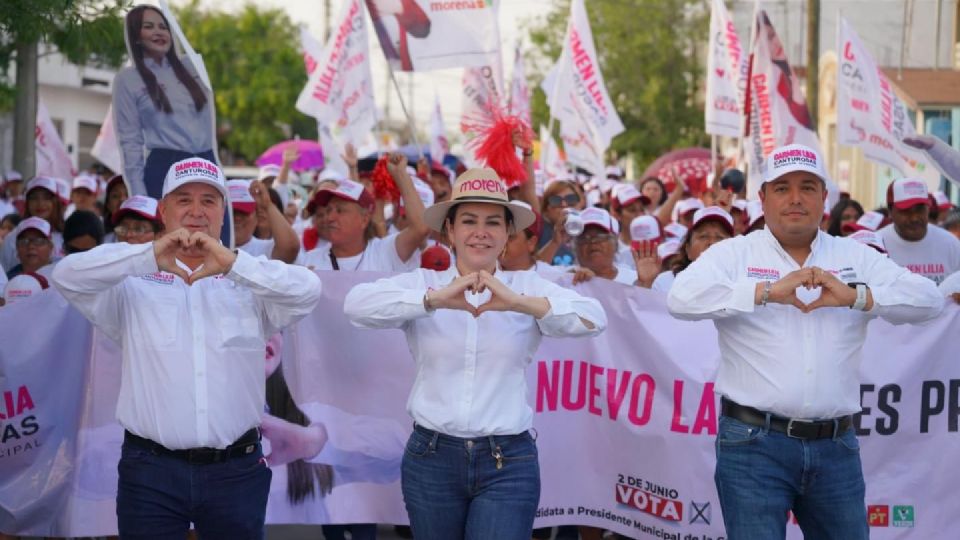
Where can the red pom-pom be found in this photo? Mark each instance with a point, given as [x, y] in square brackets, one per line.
[384, 188]
[494, 143]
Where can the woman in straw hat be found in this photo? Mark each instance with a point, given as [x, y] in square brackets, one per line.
[470, 467]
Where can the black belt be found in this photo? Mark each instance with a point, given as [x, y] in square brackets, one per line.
[246, 444]
[792, 427]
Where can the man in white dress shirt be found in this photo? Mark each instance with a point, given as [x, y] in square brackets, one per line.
[192, 318]
[791, 306]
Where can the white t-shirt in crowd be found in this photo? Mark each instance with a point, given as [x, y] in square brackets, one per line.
[951, 284]
[624, 257]
[380, 255]
[7, 207]
[935, 257]
[258, 246]
[625, 274]
[664, 281]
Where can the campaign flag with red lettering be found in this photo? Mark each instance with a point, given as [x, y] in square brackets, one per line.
[726, 75]
[339, 92]
[480, 96]
[423, 35]
[51, 154]
[778, 113]
[871, 116]
[519, 90]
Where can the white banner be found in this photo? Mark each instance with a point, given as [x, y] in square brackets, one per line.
[51, 154]
[480, 94]
[439, 145]
[551, 163]
[778, 112]
[574, 86]
[106, 148]
[870, 114]
[339, 92]
[625, 421]
[726, 75]
[422, 35]
[519, 90]
[582, 147]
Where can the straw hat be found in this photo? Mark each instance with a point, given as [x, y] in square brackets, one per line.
[479, 186]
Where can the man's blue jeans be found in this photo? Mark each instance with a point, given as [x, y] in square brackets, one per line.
[158, 496]
[453, 489]
[763, 474]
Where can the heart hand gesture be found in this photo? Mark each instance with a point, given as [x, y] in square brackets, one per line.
[833, 292]
[453, 295]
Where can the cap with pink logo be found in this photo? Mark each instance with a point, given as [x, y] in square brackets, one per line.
[675, 230]
[140, 205]
[668, 249]
[481, 185]
[793, 158]
[598, 217]
[194, 170]
[943, 203]
[24, 286]
[35, 223]
[240, 197]
[626, 194]
[907, 192]
[869, 221]
[716, 214]
[346, 190]
[645, 228]
[686, 206]
[87, 182]
[870, 238]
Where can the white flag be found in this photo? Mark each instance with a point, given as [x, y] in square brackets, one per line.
[778, 108]
[480, 95]
[312, 49]
[551, 163]
[51, 154]
[581, 147]
[575, 88]
[726, 75]
[519, 91]
[871, 116]
[106, 148]
[439, 145]
[339, 93]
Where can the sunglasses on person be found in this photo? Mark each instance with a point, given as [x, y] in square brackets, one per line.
[555, 201]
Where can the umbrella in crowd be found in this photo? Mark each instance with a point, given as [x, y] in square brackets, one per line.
[311, 155]
[692, 165]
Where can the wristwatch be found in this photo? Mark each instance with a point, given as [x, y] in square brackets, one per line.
[861, 302]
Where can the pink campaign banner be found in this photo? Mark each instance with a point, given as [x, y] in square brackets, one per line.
[625, 422]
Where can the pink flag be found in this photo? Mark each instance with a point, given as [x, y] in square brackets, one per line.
[726, 75]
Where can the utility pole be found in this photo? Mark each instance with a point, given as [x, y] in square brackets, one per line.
[25, 111]
[326, 20]
[813, 59]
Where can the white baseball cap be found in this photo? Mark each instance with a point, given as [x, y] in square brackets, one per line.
[331, 174]
[267, 171]
[194, 170]
[869, 221]
[943, 203]
[675, 230]
[792, 158]
[907, 192]
[34, 222]
[600, 218]
[713, 213]
[24, 286]
[668, 248]
[240, 197]
[44, 182]
[614, 171]
[688, 205]
[645, 228]
[870, 238]
[626, 194]
[424, 191]
[87, 182]
[739, 204]
[754, 212]
[138, 204]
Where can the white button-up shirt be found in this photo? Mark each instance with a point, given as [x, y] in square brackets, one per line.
[775, 357]
[193, 356]
[470, 371]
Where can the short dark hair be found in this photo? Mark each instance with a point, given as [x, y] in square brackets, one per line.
[83, 223]
[452, 215]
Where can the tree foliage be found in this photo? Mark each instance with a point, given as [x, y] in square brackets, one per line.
[84, 31]
[652, 56]
[257, 72]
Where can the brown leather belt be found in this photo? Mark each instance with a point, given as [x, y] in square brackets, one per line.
[792, 427]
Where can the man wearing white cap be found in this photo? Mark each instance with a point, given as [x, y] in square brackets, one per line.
[33, 240]
[791, 305]
[627, 204]
[596, 247]
[83, 193]
[911, 241]
[137, 221]
[250, 199]
[192, 385]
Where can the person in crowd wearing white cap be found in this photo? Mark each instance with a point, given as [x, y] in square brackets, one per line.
[250, 199]
[869, 221]
[8, 223]
[42, 202]
[488, 322]
[710, 226]
[627, 204]
[911, 242]
[349, 228]
[560, 197]
[11, 188]
[943, 205]
[596, 247]
[193, 318]
[686, 209]
[116, 192]
[844, 214]
[738, 211]
[869, 238]
[520, 253]
[440, 180]
[33, 239]
[137, 221]
[755, 221]
[791, 306]
[83, 194]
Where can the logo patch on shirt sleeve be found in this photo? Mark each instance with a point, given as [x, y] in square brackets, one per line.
[163, 278]
[763, 274]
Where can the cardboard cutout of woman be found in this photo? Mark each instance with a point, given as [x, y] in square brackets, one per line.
[161, 105]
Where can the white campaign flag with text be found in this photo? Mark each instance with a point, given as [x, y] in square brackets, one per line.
[51, 154]
[339, 92]
[479, 96]
[439, 144]
[871, 116]
[520, 90]
[726, 75]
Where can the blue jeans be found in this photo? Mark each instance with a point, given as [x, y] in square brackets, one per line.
[158, 496]
[762, 474]
[453, 489]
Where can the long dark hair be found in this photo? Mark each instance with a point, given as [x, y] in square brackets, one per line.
[300, 474]
[157, 95]
[836, 214]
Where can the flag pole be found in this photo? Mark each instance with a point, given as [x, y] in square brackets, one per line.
[403, 106]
